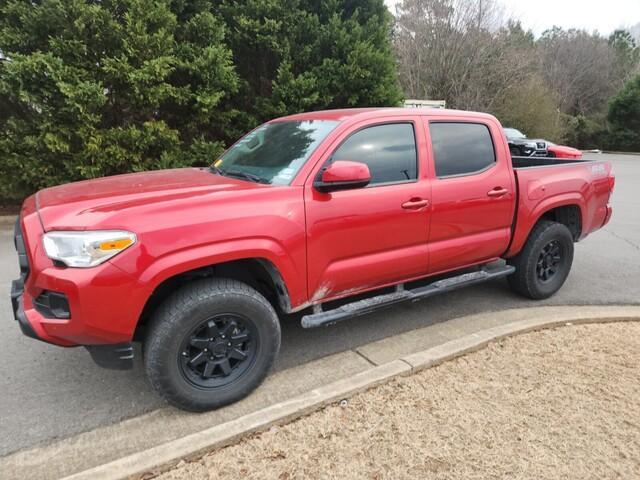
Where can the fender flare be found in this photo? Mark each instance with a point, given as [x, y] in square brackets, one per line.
[278, 264]
[523, 229]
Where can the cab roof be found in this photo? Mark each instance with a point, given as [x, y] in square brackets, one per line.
[355, 114]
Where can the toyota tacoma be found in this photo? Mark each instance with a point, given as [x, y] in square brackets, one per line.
[332, 214]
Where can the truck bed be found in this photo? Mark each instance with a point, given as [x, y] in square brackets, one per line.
[585, 184]
[531, 162]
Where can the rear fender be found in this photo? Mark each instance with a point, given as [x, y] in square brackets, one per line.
[526, 219]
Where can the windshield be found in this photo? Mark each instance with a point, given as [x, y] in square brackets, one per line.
[274, 152]
[513, 133]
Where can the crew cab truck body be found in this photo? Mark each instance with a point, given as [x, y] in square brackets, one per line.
[301, 214]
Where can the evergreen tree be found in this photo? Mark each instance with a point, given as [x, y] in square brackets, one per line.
[99, 87]
[624, 118]
[91, 88]
[308, 55]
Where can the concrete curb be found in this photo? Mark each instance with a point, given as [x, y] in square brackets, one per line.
[158, 459]
[163, 457]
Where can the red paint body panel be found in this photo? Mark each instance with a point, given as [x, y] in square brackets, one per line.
[363, 239]
[587, 185]
[324, 245]
[345, 171]
[467, 225]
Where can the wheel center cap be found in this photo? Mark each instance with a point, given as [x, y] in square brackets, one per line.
[218, 347]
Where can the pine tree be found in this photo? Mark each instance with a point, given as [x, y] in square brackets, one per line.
[624, 118]
[91, 88]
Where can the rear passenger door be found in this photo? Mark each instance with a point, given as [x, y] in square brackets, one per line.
[366, 237]
[473, 193]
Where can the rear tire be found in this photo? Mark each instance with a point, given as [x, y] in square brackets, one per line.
[544, 262]
[210, 344]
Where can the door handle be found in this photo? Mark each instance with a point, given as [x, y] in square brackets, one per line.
[415, 203]
[497, 192]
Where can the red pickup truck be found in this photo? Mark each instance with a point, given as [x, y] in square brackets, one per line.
[332, 214]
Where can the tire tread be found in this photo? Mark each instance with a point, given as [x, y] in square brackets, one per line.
[167, 320]
[522, 281]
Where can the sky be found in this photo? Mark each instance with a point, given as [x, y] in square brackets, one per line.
[538, 15]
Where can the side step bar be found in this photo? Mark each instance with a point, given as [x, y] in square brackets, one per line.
[360, 307]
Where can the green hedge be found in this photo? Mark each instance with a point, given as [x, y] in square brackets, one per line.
[624, 118]
[93, 88]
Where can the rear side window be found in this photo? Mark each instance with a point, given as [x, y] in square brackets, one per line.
[461, 148]
[388, 150]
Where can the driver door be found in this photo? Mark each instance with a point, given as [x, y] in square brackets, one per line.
[364, 238]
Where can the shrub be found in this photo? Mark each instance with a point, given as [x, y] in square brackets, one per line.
[98, 88]
[93, 88]
[624, 118]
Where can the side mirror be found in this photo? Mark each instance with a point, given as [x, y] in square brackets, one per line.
[343, 175]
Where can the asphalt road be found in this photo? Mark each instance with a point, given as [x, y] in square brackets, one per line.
[48, 392]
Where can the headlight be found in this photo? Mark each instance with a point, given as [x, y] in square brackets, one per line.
[86, 249]
[531, 145]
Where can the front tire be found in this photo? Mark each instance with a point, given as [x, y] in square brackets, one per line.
[544, 262]
[210, 344]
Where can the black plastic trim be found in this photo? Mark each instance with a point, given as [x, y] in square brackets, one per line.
[52, 305]
[24, 324]
[114, 357]
[534, 162]
[328, 187]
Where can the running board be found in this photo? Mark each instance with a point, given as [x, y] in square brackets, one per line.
[360, 307]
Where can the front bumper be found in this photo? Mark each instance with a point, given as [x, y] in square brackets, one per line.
[38, 322]
[102, 303]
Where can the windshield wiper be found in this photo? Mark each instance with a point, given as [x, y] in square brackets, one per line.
[215, 169]
[244, 175]
[237, 173]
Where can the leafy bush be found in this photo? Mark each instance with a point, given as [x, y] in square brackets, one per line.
[92, 88]
[624, 118]
[98, 88]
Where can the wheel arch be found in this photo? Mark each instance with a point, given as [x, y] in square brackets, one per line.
[567, 211]
[569, 215]
[259, 273]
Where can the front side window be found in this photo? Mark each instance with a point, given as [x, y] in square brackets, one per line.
[388, 150]
[461, 148]
[274, 152]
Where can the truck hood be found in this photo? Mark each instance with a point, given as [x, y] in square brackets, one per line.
[99, 203]
[523, 141]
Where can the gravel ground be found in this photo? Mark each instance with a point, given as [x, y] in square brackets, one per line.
[561, 403]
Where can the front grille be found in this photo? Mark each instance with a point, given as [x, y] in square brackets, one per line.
[17, 286]
[541, 145]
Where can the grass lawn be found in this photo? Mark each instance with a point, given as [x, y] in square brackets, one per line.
[561, 403]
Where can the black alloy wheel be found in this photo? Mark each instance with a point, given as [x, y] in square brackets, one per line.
[210, 343]
[544, 262]
[549, 261]
[218, 351]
